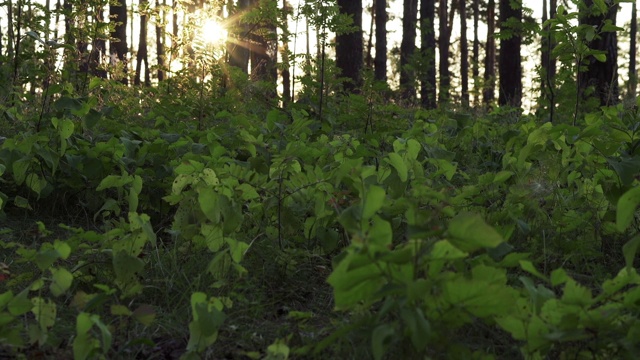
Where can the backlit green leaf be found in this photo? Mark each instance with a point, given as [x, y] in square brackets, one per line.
[373, 202]
[469, 232]
[626, 209]
[398, 163]
[61, 280]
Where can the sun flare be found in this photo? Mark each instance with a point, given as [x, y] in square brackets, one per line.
[213, 33]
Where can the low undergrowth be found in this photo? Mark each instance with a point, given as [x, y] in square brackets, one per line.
[271, 234]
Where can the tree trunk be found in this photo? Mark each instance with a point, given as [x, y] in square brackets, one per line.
[475, 62]
[633, 73]
[98, 49]
[380, 61]
[407, 49]
[510, 68]
[490, 56]
[603, 76]
[464, 55]
[142, 47]
[445, 82]
[286, 73]
[161, 21]
[349, 47]
[428, 50]
[118, 45]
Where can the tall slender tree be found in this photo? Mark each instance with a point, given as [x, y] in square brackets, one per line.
[142, 55]
[118, 45]
[407, 49]
[443, 46]
[510, 64]
[490, 56]
[603, 76]
[160, 37]
[380, 61]
[464, 55]
[350, 47]
[428, 50]
[633, 72]
[475, 62]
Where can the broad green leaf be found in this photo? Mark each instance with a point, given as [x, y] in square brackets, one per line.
[83, 346]
[626, 209]
[120, 310]
[209, 176]
[20, 168]
[373, 202]
[213, 236]
[63, 249]
[44, 311]
[35, 183]
[600, 57]
[379, 339]
[238, 249]
[208, 201]
[180, 182]
[380, 232]
[398, 163]
[126, 266]
[559, 276]
[61, 281]
[115, 181]
[502, 176]
[630, 249]
[576, 294]
[20, 304]
[469, 232]
[65, 129]
[528, 266]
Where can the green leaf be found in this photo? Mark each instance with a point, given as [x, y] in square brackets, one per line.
[21, 202]
[379, 339]
[373, 202]
[213, 236]
[238, 249]
[528, 266]
[630, 249]
[115, 181]
[61, 281]
[44, 311]
[65, 129]
[398, 163]
[20, 304]
[469, 232]
[626, 208]
[20, 168]
[208, 201]
[600, 57]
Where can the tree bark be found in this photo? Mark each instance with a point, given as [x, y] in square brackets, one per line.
[445, 82]
[380, 61]
[633, 73]
[349, 47]
[510, 68]
[407, 49]
[118, 45]
[475, 62]
[428, 49]
[160, 40]
[490, 56]
[464, 55]
[142, 55]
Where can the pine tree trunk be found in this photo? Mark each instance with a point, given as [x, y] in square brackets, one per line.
[380, 61]
[490, 56]
[118, 46]
[445, 82]
[510, 68]
[464, 56]
[428, 50]
[407, 49]
[349, 47]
